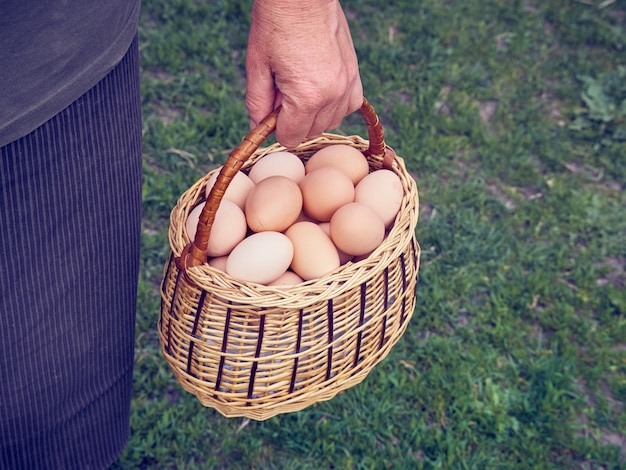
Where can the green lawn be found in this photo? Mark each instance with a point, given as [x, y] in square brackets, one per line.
[512, 117]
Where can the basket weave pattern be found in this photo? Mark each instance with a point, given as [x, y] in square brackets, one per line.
[257, 351]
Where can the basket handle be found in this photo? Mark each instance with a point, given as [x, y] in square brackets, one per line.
[194, 254]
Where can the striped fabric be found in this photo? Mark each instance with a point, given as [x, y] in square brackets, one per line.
[70, 215]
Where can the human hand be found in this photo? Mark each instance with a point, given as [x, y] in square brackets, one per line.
[301, 56]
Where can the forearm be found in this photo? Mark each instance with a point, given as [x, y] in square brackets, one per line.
[294, 9]
[293, 23]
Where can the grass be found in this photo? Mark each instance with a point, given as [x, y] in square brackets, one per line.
[512, 117]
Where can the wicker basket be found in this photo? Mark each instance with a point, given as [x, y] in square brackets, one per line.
[257, 351]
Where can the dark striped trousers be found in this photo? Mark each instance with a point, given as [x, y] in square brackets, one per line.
[70, 217]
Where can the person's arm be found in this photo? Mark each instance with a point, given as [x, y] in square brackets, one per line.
[301, 55]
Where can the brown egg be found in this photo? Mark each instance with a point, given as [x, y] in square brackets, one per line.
[229, 227]
[305, 218]
[314, 254]
[356, 229]
[219, 262]
[191, 224]
[343, 257]
[382, 190]
[273, 204]
[346, 158]
[324, 190]
[261, 257]
[278, 163]
[288, 278]
[238, 189]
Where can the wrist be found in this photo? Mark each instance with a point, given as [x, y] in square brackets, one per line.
[293, 12]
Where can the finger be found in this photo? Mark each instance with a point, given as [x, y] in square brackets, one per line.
[327, 118]
[277, 102]
[260, 92]
[293, 124]
[330, 118]
[356, 97]
[278, 98]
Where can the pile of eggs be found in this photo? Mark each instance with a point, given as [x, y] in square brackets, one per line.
[285, 221]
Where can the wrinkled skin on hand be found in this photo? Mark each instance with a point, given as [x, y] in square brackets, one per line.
[301, 56]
